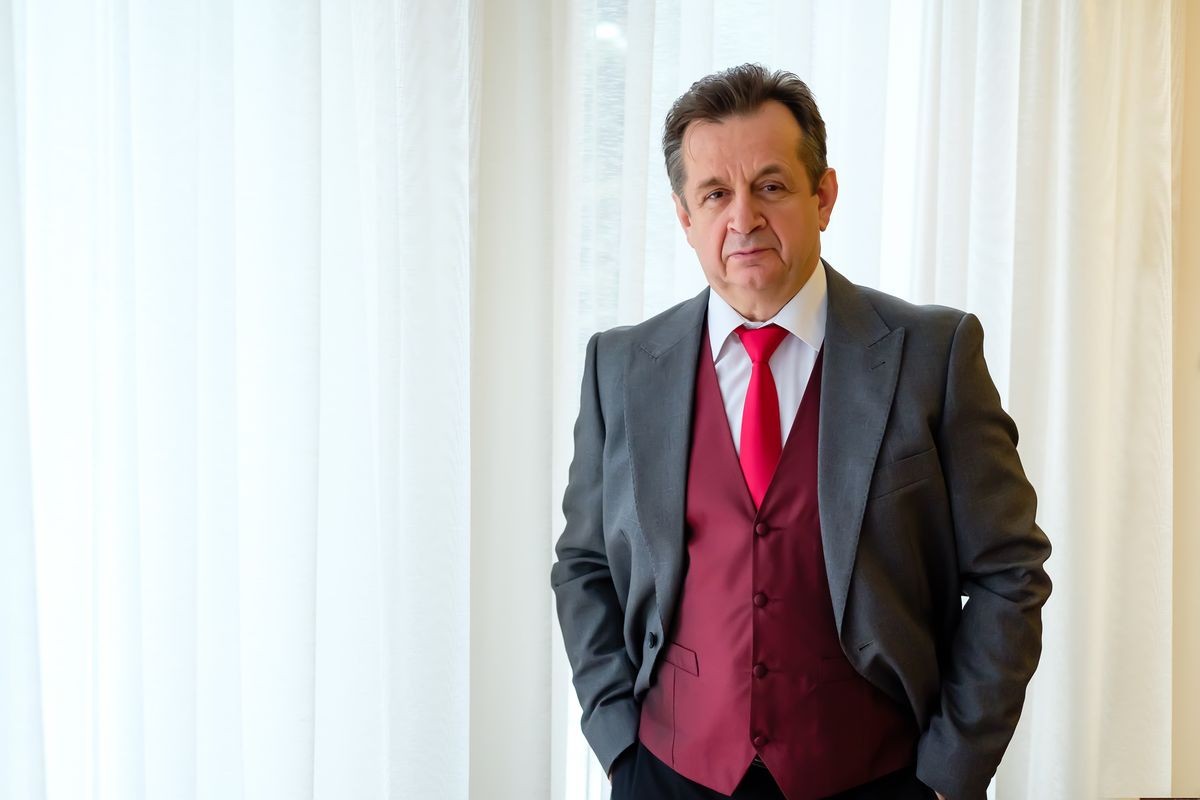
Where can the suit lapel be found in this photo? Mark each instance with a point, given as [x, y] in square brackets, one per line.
[659, 388]
[858, 381]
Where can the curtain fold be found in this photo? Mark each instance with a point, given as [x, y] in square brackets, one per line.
[236, 255]
[22, 764]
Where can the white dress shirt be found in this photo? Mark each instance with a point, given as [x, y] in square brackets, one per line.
[792, 362]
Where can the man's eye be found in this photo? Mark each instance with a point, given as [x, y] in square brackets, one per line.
[772, 187]
[715, 195]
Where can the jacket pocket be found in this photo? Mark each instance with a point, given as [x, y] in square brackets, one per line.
[905, 472]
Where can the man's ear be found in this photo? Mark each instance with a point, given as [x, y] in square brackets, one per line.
[685, 218]
[827, 191]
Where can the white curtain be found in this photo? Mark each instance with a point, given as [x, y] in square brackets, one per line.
[234, 475]
[293, 299]
[1013, 160]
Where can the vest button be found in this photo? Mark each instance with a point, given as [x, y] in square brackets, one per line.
[760, 599]
[760, 670]
[761, 529]
[759, 741]
[653, 640]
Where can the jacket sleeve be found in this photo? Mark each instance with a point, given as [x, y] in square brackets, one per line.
[589, 612]
[1001, 551]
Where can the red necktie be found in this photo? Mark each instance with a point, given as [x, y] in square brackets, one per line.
[761, 441]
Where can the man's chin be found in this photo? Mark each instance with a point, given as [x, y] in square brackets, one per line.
[758, 281]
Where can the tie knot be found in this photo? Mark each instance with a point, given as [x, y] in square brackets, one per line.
[760, 343]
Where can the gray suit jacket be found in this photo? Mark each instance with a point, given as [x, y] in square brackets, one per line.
[922, 501]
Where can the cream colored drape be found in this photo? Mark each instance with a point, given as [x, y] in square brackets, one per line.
[293, 300]
[235, 466]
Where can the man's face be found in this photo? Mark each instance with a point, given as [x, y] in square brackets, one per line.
[751, 214]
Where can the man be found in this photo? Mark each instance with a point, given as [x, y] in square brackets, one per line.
[781, 490]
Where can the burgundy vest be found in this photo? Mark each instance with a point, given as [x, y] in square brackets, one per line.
[754, 664]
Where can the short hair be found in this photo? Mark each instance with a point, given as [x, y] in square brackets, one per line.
[737, 91]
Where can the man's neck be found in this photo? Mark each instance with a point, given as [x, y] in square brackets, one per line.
[757, 308]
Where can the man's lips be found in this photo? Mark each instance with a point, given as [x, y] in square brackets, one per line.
[747, 252]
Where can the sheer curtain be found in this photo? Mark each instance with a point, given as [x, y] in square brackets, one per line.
[227, 232]
[288, 292]
[1013, 160]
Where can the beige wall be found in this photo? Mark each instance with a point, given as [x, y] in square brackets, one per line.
[1186, 722]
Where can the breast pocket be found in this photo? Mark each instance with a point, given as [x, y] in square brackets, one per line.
[895, 476]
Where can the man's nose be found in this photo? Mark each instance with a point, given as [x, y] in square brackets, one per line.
[744, 214]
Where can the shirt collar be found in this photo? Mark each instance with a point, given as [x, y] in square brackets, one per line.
[803, 316]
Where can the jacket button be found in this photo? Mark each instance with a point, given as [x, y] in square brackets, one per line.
[653, 640]
[760, 670]
[759, 741]
[760, 599]
[761, 529]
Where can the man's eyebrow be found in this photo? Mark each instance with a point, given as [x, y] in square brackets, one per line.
[769, 169]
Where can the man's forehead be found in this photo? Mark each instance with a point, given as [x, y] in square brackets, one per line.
[734, 142]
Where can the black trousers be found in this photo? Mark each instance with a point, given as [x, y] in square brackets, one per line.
[639, 775]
